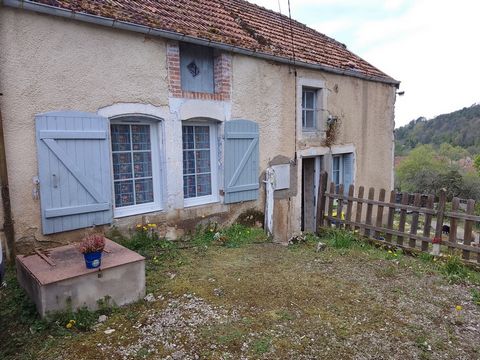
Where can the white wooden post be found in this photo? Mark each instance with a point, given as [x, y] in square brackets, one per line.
[269, 189]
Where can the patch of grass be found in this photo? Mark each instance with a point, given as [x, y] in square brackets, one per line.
[454, 270]
[262, 346]
[233, 236]
[426, 257]
[340, 239]
[476, 296]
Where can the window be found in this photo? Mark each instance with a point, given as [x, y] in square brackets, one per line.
[309, 109]
[135, 159]
[342, 170]
[199, 163]
[196, 68]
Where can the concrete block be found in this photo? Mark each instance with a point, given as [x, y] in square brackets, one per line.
[59, 278]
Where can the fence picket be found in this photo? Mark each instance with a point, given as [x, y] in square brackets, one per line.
[452, 236]
[391, 215]
[428, 222]
[414, 226]
[403, 219]
[348, 216]
[321, 199]
[358, 216]
[368, 220]
[339, 207]
[442, 199]
[467, 237]
[330, 204]
[379, 222]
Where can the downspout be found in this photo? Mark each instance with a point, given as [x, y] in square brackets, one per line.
[5, 192]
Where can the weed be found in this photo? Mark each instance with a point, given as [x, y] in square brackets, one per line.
[426, 257]
[393, 255]
[476, 296]
[454, 270]
[340, 239]
[261, 346]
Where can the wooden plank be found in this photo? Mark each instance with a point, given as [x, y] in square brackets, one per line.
[321, 202]
[414, 226]
[379, 221]
[428, 222]
[368, 219]
[401, 206]
[73, 210]
[403, 218]
[391, 215]
[358, 216]
[452, 236]
[462, 216]
[468, 236]
[339, 207]
[72, 135]
[348, 215]
[330, 204]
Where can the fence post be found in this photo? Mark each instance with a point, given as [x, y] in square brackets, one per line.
[321, 199]
[437, 240]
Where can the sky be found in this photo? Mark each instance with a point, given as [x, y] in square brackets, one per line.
[431, 46]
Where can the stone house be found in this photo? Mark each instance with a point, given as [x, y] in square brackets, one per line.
[120, 112]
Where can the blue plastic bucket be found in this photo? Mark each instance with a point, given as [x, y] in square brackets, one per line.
[93, 260]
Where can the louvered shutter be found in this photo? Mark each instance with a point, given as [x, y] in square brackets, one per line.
[73, 151]
[347, 171]
[241, 161]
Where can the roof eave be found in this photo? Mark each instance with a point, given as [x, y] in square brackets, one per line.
[123, 25]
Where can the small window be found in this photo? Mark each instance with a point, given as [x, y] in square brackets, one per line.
[342, 170]
[196, 68]
[199, 160]
[135, 167]
[309, 109]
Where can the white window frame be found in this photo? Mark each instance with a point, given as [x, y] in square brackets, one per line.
[340, 169]
[314, 109]
[320, 103]
[155, 132]
[213, 197]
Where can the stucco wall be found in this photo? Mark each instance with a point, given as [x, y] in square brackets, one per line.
[48, 64]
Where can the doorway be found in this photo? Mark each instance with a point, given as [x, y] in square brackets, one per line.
[311, 168]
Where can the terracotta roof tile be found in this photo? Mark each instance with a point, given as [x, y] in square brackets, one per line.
[233, 22]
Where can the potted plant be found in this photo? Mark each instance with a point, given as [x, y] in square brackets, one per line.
[91, 247]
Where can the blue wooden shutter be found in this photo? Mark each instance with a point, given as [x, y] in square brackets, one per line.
[73, 151]
[347, 171]
[241, 161]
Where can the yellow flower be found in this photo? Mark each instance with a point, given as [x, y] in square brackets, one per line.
[152, 225]
[144, 228]
[69, 325]
[139, 226]
[390, 251]
[458, 308]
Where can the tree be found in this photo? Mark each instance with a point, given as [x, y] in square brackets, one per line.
[476, 163]
[452, 153]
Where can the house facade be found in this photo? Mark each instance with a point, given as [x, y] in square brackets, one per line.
[114, 119]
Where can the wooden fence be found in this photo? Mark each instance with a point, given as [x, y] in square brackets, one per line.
[415, 222]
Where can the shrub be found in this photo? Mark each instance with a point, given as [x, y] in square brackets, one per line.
[454, 269]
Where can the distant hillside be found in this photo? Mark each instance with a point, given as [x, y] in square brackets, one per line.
[459, 128]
